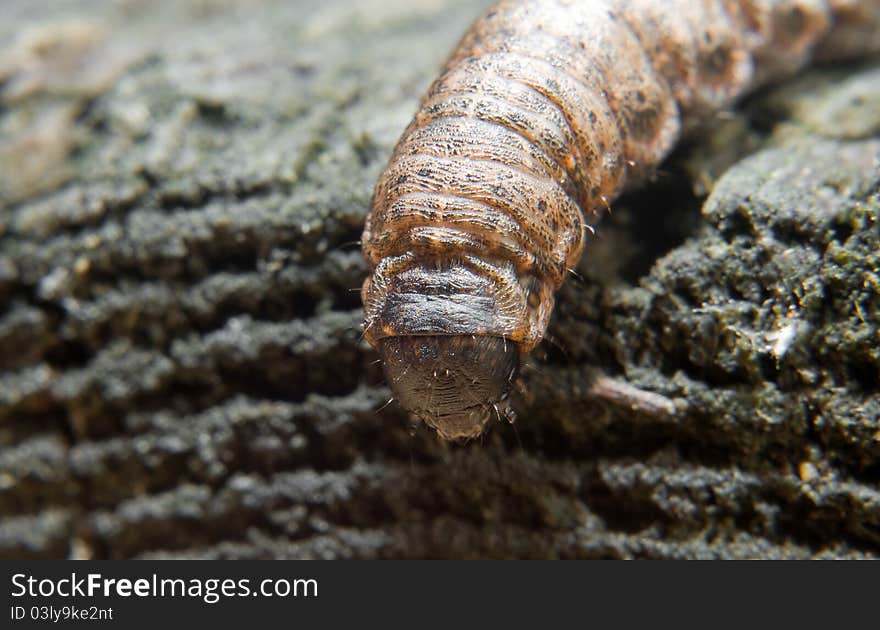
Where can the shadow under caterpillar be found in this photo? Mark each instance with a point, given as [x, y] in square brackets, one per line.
[547, 111]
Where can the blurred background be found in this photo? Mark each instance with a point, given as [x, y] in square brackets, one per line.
[182, 189]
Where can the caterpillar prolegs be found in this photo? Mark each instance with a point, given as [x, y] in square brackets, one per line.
[546, 111]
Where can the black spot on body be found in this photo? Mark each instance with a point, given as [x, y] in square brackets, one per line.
[642, 123]
[794, 22]
[717, 61]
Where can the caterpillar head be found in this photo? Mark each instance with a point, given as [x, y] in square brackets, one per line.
[453, 383]
[445, 330]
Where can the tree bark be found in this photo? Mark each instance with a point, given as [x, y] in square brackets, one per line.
[182, 372]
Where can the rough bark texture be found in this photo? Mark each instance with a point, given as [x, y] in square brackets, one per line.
[181, 369]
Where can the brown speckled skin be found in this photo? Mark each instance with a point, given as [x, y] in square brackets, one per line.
[544, 113]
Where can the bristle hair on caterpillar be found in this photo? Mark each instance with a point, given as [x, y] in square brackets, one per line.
[545, 112]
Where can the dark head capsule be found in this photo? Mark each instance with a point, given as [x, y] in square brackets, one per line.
[456, 383]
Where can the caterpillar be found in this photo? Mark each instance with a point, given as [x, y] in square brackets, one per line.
[545, 112]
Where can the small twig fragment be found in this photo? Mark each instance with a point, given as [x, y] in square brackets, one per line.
[622, 394]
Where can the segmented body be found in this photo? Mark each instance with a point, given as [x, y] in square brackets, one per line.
[545, 112]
